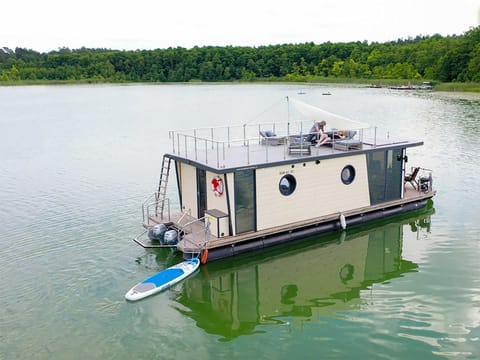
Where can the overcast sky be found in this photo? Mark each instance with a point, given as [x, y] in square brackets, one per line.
[45, 25]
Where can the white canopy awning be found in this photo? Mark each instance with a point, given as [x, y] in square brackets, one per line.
[333, 121]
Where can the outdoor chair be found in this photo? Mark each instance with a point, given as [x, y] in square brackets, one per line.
[270, 138]
[299, 145]
[346, 143]
[412, 177]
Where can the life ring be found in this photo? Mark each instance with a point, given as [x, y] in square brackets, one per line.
[217, 186]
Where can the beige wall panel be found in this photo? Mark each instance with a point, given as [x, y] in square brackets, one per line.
[216, 202]
[189, 189]
[319, 191]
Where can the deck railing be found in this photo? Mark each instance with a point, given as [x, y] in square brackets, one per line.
[199, 231]
[151, 205]
[425, 180]
[210, 145]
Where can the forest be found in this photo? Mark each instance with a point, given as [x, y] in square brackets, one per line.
[434, 58]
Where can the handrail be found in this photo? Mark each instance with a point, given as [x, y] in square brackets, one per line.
[245, 131]
[140, 234]
[194, 221]
[146, 206]
[205, 231]
[184, 214]
[155, 194]
[209, 146]
[217, 139]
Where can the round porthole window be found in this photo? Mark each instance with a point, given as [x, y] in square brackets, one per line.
[348, 174]
[287, 184]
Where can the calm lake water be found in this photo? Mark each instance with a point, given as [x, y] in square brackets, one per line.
[76, 162]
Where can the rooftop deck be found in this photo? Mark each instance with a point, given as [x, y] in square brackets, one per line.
[242, 146]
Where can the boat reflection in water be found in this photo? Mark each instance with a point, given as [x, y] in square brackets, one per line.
[319, 276]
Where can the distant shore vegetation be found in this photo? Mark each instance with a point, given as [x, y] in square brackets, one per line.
[448, 62]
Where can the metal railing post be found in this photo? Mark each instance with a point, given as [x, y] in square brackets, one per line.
[172, 136]
[224, 153]
[206, 151]
[266, 150]
[195, 142]
[186, 146]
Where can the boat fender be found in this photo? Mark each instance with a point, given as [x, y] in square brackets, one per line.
[343, 222]
[204, 258]
[217, 186]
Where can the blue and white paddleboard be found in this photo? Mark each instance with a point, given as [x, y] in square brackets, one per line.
[163, 280]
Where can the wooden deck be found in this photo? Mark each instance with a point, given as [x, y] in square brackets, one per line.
[196, 238]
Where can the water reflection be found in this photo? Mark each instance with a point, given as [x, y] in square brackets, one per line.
[321, 276]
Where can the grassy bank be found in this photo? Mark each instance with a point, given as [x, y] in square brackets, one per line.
[458, 87]
[437, 86]
[53, 82]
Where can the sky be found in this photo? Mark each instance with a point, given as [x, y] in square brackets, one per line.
[46, 25]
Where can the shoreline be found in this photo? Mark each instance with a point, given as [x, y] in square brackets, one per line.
[380, 83]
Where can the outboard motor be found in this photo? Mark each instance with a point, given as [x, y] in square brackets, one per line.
[157, 232]
[170, 237]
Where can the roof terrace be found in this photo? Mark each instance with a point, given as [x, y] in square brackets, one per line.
[242, 146]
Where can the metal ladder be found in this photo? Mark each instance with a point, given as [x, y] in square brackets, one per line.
[162, 185]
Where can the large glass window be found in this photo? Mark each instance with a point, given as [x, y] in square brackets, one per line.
[384, 175]
[201, 192]
[245, 201]
[394, 178]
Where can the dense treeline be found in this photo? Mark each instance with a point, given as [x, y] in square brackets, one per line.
[445, 59]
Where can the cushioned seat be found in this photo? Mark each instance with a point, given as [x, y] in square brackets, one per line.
[347, 143]
[299, 148]
[298, 145]
[270, 138]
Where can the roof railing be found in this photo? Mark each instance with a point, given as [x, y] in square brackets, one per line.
[210, 145]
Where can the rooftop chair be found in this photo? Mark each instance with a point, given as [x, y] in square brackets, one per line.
[412, 177]
[299, 145]
[346, 143]
[270, 138]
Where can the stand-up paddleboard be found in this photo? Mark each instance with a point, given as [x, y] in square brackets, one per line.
[163, 280]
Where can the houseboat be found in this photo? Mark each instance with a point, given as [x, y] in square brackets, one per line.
[244, 188]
